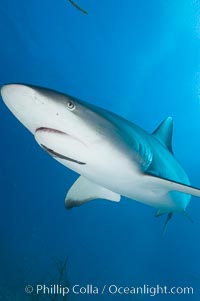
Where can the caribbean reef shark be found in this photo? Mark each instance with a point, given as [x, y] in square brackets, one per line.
[113, 156]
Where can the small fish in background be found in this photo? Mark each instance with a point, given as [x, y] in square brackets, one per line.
[78, 7]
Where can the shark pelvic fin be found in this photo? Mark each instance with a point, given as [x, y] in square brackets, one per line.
[187, 216]
[164, 133]
[83, 191]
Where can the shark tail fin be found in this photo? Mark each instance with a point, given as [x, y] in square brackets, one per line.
[161, 212]
[164, 133]
[169, 216]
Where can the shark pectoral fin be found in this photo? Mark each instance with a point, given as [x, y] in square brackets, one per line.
[83, 191]
[165, 185]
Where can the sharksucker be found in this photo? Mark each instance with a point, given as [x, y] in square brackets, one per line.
[55, 154]
[113, 156]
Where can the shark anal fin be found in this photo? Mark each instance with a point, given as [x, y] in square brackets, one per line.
[160, 212]
[164, 133]
[83, 191]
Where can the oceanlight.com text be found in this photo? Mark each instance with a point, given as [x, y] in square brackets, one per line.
[109, 289]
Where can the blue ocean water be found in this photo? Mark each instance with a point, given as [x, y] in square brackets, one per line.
[139, 59]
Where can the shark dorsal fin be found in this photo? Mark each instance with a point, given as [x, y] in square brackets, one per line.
[164, 133]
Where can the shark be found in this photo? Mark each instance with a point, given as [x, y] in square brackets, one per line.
[113, 156]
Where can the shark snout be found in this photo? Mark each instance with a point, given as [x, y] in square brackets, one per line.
[7, 91]
[26, 104]
[17, 96]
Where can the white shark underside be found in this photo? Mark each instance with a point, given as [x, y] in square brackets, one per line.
[113, 156]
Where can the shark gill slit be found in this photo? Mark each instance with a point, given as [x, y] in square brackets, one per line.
[55, 154]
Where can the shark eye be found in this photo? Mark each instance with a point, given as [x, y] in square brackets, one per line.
[70, 105]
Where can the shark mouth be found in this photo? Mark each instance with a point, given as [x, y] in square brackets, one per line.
[44, 129]
[52, 152]
[57, 155]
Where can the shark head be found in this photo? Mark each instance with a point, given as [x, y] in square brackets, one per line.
[67, 128]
